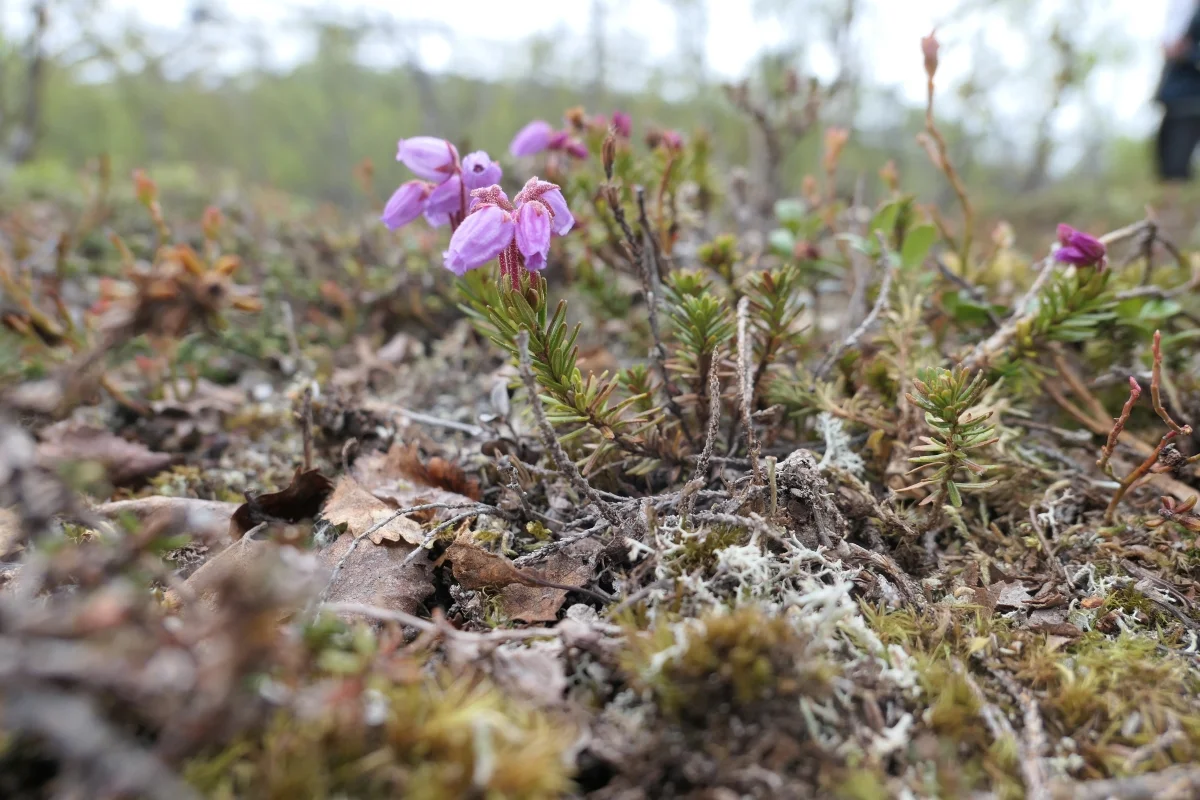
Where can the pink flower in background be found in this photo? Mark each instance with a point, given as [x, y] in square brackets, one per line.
[622, 124]
[575, 148]
[538, 136]
[532, 139]
[1079, 248]
[673, 140]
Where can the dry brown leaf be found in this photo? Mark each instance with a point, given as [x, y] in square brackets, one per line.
[476, 568]
[302, 499]
[124, 461]
[11, 534]
[523, 596]
[377, 474]
[359, 510]
[534, 671]
[402, 465]
[206, 519]
[378, 576]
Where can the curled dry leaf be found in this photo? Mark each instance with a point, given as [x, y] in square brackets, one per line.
[359, 510]
[524, 594]
[301, 500]
[124, 461]
[403, 463]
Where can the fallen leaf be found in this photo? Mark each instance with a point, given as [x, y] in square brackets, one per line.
[249, 554]
[378, 576]
[206, 519]
[359, 510]
[1008, 595]
[523, 595]
[403, 462]
[11, 534]
[1092, 602]
[533, 671]
[476, 568]
[124, 461]
[377, 473]
[301, 500]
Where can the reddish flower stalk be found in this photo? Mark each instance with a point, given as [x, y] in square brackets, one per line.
[1155, 382]
[1135, 391]
[1135, 476]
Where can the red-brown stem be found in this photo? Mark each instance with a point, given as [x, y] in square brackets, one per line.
[951, 175]
[1155, 382]
[1135, 391]
[1134, 476]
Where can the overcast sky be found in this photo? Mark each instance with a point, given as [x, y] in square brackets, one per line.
[888, 34]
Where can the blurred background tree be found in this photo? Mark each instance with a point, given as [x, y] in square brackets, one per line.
[298, 104]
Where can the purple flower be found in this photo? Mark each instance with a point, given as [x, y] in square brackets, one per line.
[405, 204]
[533, 234]
[518, 233]
[479, 171]
[428, 157]
[673, 140]
[576, 148]
[622, 124]
[552, 196]
[1078, 248]
[532, 139]
[445, 199]
[482, 236]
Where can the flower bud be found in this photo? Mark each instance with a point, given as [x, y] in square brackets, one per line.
[929, 49]
[211, 222]
[146, 189]
[608, 153]
[576, 117]
[835, 142]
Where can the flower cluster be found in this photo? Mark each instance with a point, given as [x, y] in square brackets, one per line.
[443, 183]
[1079, 248]
[518, 233]
[540, 135]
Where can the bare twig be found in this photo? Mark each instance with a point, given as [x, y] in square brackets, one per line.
[306, 428]
[1051, 556]
[881, 302]
[1156, 383]
[565, 465]
[746, 389]
[1034, 745]
[652, 288]
[700, 478]
[1176, 783]
[444, 629]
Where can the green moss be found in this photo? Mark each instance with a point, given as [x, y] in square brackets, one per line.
[439, 739]
[725, 662]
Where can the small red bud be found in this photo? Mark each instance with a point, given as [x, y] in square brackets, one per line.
[929, 49]
[211, 223]
[146, 189]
